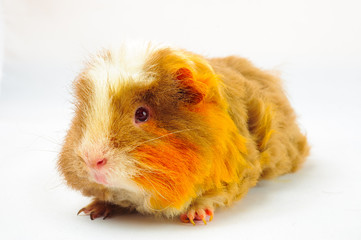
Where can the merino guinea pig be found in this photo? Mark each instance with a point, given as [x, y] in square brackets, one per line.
[167, 132]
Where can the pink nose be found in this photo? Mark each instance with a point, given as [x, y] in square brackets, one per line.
[101, 162]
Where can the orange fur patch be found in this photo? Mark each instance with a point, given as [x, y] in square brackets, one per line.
[170, 168]
[176, 170]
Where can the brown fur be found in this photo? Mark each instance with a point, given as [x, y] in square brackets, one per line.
[249, 90]
[223, 124]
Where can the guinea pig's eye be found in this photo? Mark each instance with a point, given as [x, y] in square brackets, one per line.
[141, 114]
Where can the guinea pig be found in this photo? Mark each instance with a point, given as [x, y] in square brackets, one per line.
[167, 132]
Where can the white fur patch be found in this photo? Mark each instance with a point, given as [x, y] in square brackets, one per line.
[124, 64]
[111, 70]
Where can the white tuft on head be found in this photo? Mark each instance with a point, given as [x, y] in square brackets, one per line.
[121, 64]
[111, 69]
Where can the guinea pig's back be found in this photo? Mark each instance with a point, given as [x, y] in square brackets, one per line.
[261, 110]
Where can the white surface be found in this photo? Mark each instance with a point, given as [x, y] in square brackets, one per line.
[1, 47]
[315, 42]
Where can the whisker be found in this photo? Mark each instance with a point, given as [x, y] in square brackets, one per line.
[42, 150]
[165, 135]
[56, 186]
[47, 138]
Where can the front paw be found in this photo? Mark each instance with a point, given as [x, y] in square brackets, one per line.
[98, 209]
[197, 214]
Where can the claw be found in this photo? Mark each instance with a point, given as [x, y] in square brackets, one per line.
[80, 211]
[98, 209]
[85, 211]
[210, 214]
[107, 214]
[197, 215]
[191, 217]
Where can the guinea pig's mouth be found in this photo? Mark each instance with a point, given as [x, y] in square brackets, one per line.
[99, 178]
[106, 167]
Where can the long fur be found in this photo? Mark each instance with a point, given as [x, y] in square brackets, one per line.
[216, 127]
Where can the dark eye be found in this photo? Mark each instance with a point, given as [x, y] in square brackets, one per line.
[141, 114]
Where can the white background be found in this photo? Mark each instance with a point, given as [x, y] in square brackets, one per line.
[314, 44]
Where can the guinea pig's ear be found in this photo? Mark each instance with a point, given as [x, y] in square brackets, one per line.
[191, 91]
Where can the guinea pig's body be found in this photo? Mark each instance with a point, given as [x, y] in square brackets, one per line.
[167, 132]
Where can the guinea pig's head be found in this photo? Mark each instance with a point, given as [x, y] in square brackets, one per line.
[142, 123]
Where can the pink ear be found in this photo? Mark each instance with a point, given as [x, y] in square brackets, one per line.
[184, 74]
[191, 90]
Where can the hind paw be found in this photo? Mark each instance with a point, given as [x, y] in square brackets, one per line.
[199, 214]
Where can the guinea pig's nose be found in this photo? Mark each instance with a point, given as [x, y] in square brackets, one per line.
[101, 162]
